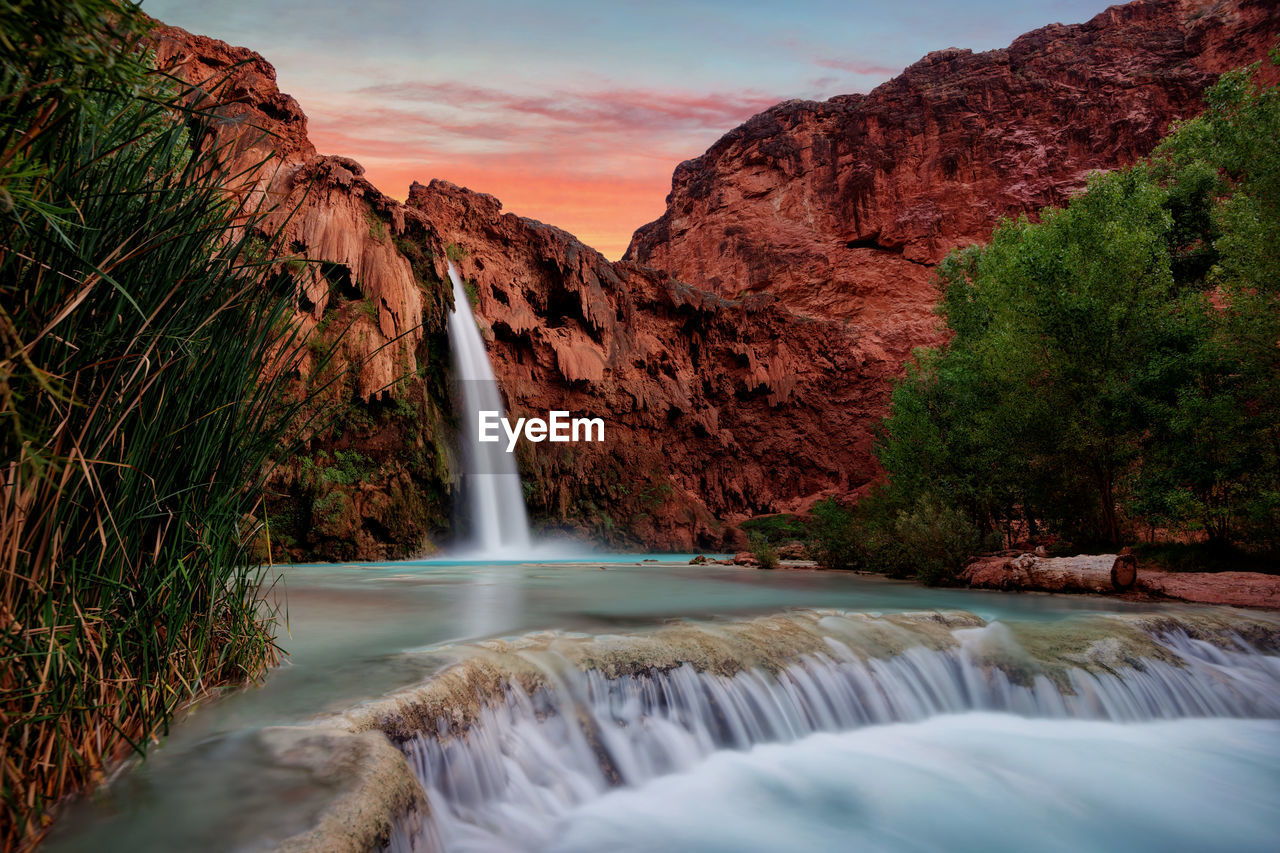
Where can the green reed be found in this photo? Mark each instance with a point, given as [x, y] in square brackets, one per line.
[146, 333]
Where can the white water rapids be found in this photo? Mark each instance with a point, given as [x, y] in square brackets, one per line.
[491, 482]
[816, 757]
[972, 782]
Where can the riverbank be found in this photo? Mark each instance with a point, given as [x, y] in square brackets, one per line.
[1084, 575]
[1096, 574]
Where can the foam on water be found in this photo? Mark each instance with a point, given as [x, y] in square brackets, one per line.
[542, 770]
[974, 782]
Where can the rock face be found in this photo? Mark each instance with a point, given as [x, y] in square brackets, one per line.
[742, 355]
[842, 208]
[329, 213]
[713, 407]
[1239, 589]
[372, 480]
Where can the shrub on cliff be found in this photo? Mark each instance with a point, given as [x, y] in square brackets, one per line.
[1118, 355]
[141, 325]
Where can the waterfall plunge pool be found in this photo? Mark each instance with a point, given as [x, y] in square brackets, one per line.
[356, 632]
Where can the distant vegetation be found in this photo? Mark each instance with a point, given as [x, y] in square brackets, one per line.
[776, 529]
[1113, 370]
[142, 324]
[763, 550]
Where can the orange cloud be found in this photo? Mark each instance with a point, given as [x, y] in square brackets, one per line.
[595, 163]
[602, 213]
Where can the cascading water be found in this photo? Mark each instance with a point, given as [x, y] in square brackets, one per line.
[549, 767]
[491, 482]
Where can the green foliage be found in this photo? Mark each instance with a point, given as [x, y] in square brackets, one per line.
[655, 492]
[783, 527]
[332, 513]
[1214, 457]
[928, 538]
[1118, 356]
[1204, 557]
[455, 252]
[936, 538]
[473, 294]
[405, 408]
[763, 550]
[144, 335]
[344, 468]
[833, 540]
[377, 228]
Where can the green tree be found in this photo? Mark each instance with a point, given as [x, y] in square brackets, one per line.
[1214, 412]
[1031, 408]
[1120, 353]
[832, 539]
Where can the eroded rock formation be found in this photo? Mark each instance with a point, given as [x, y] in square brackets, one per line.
[842, 208]
[714, 406]
[796, 262]
[373, 479]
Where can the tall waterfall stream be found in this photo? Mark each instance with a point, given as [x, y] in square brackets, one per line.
[495, 502]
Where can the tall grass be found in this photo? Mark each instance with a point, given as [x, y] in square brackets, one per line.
[145, 336]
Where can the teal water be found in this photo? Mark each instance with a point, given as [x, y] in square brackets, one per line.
[355, 632]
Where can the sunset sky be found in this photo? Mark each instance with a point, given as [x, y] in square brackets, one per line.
[574, 112]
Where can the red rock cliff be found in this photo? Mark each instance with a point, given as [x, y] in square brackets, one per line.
[747, 377]
[842, 208]
[715, 407]
[373, 478]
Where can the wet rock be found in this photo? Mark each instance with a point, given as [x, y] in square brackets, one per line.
[793, 551]
[367, 782]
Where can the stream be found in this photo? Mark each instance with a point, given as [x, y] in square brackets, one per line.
[646, 704]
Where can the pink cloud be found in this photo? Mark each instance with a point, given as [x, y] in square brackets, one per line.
[597, 163]
[622, 108]
[854, 66]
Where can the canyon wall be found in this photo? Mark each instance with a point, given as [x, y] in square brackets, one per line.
[842, 208]
[372, 472]
[714, 407]
[743, 352]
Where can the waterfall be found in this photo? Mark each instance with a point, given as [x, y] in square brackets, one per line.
[491, 483]
[551, 749]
